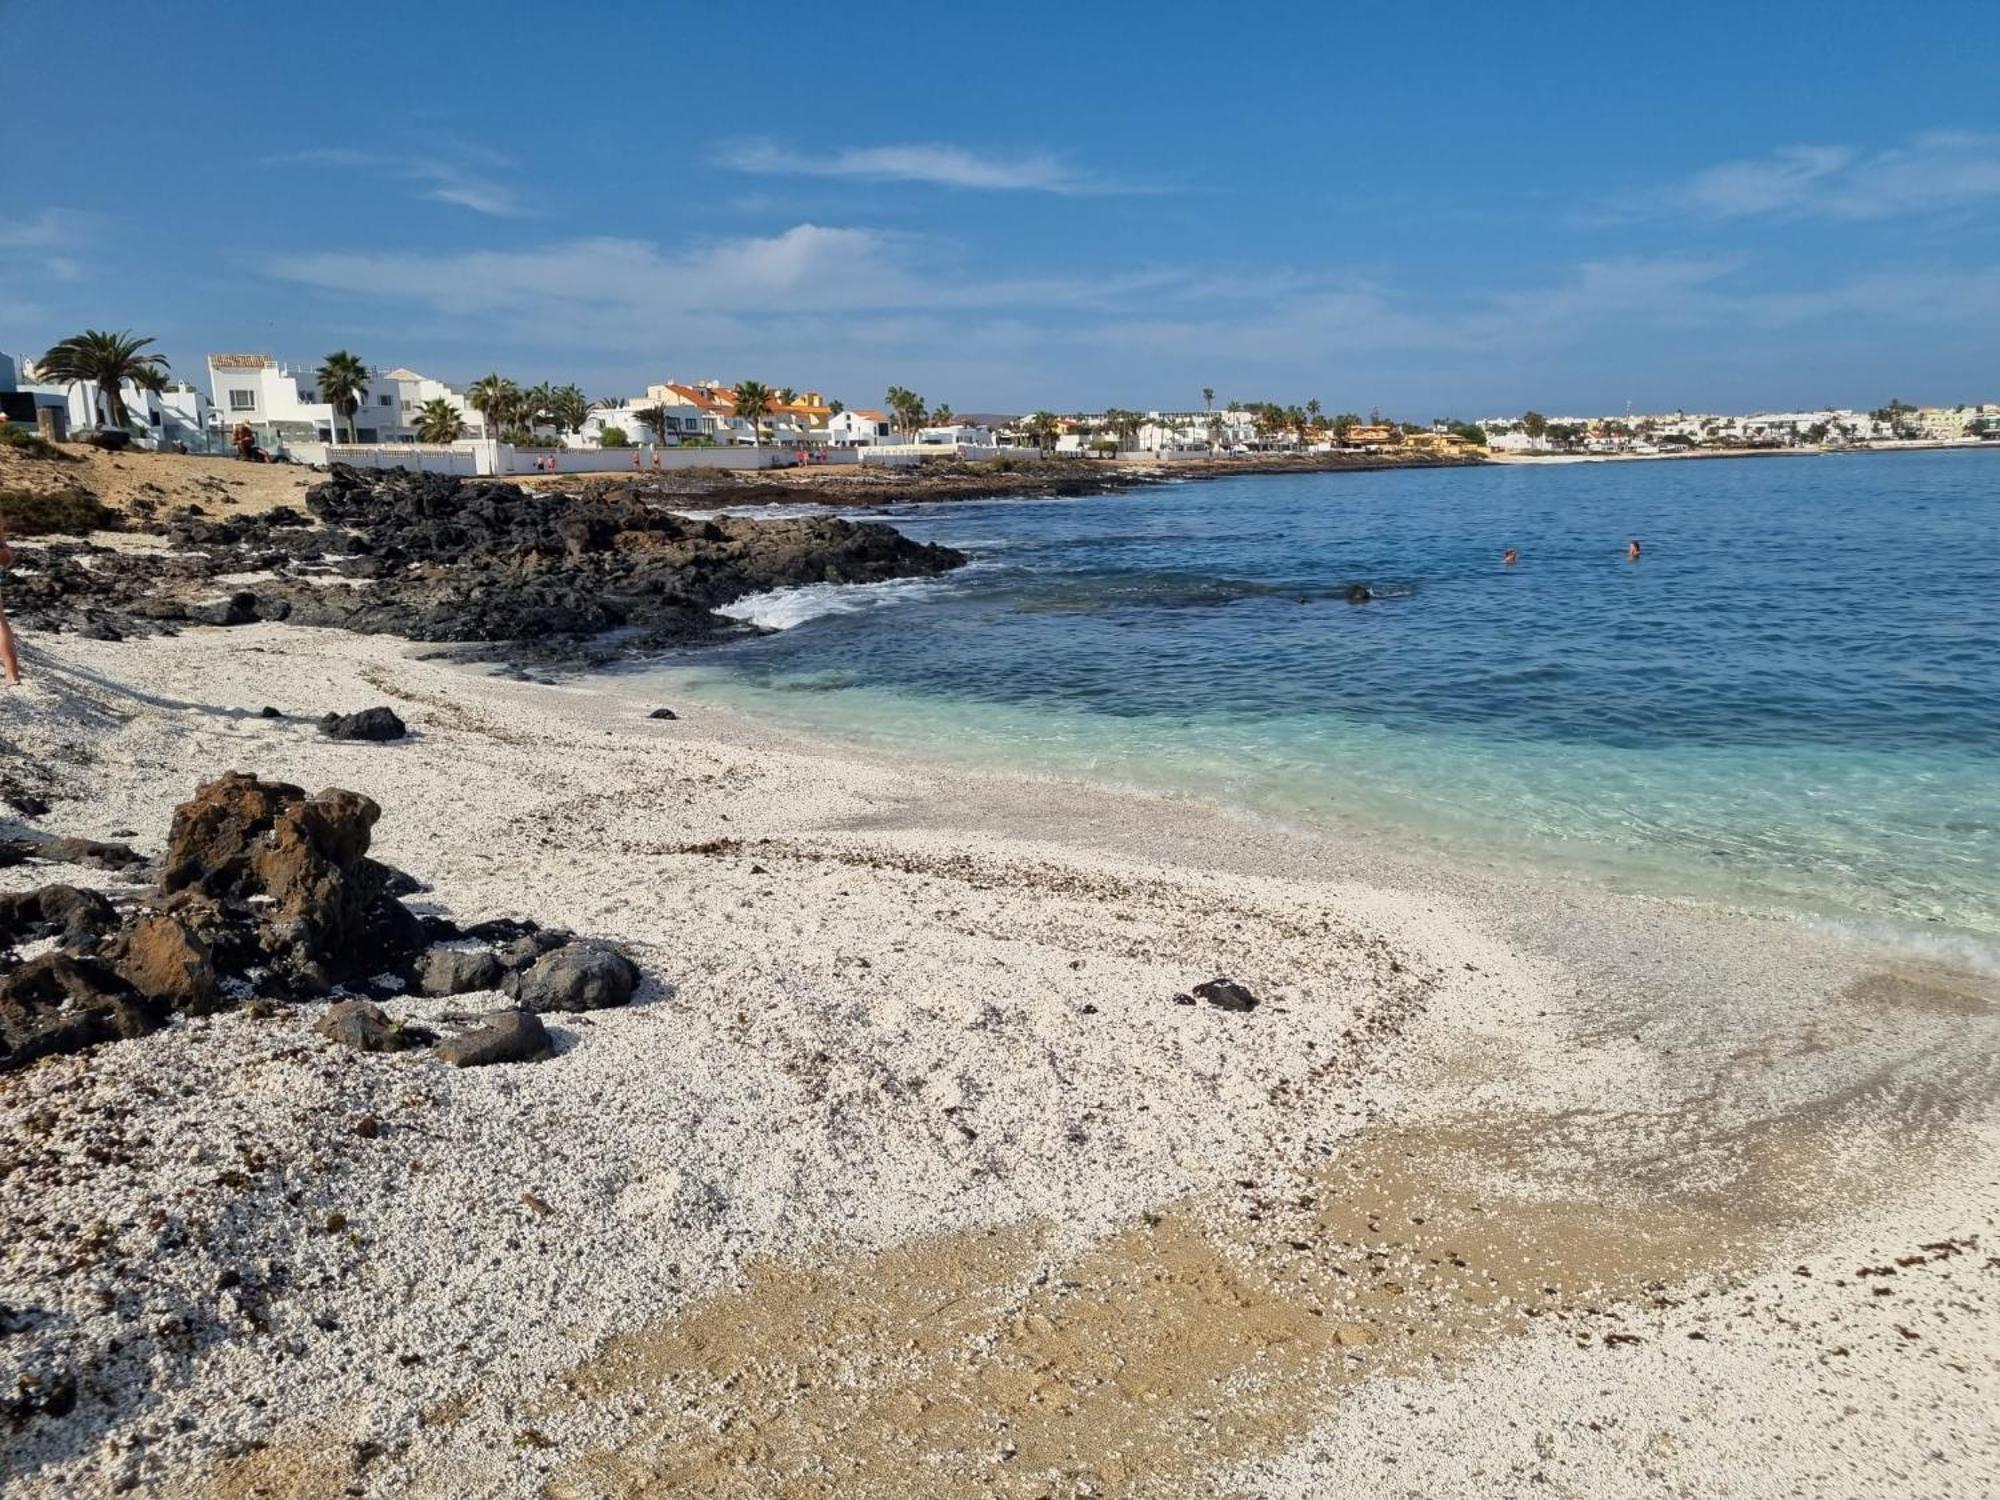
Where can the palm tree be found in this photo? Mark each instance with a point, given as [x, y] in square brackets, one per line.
[110, 360]
[944, 416]
[343, 380]
[1044, 427]
[907, 407]
[569, 406]
[656, 418]
[1208, 398]
[1124, 425]
[786, 395]
[1216, 429]
[439, 422]
[753, 399]
[1313, 410]
[835, 408]
[536, 402]
[493, 397]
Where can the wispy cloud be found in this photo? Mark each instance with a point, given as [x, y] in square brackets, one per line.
[468, 179]
[51, 229]
[943, 166]
[1930, 173]
[848, 301]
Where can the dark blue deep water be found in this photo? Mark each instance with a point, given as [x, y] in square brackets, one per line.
[1793, 696]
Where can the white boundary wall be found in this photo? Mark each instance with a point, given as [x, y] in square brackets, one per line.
[472, 457]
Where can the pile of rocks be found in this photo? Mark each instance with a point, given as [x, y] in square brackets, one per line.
[458, 560]
[432, 557]
[265, 895]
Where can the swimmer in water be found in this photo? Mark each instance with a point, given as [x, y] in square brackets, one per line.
[1510, 557]
[1632, 549]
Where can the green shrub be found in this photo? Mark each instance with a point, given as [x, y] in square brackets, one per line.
[33, 444]
[66, 511]
[613, 437]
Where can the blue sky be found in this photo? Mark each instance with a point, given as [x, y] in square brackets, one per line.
[1462, 210]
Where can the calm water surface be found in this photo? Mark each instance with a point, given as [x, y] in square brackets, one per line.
[1791, 700]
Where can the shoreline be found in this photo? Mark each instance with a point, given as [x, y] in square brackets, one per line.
[1806, 451]
[910, 1041]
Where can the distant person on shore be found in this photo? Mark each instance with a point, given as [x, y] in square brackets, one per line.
[1632, 549]
[1510, 557]
[10, 663]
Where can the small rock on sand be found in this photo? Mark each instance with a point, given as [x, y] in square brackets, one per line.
[364, 1027]
[378, 724]
[581, 976]
[504, 1036]
[1226, 994]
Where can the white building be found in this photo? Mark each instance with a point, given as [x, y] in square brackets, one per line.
[860, 429]
[957, 434]
[279, 403]
[1950, 424]
[683, 421]
[177, 413]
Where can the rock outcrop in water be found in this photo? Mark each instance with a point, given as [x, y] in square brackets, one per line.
[450, 560]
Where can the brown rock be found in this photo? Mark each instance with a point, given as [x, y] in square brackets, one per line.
[296, 867]
[162, 957]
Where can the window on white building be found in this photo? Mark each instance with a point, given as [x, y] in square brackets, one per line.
[384, 401]
[242, 400]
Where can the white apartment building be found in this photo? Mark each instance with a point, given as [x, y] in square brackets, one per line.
[279, 403]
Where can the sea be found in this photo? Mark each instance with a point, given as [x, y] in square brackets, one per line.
[1790, 701]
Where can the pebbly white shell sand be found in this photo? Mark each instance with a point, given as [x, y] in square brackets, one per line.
[887, 1003]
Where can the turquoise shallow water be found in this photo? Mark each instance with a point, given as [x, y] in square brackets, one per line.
[1792, 699]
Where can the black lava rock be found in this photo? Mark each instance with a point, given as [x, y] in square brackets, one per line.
[1226, 994]
[379, 724]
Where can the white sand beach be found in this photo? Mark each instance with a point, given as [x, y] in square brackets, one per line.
[906, 1175]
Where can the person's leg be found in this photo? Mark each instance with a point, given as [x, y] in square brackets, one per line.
[10, 664]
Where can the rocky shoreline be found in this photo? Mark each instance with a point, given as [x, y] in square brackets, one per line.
[946, 480]
[539, 575]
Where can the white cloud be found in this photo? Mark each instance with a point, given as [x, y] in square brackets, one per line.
[1929, 173]
[852, 306]
[442, 179]
[945, 166]
[51, 229]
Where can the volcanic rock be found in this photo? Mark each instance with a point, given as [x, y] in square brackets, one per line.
[318, 910]
[580, 976]
[164, 957]
[365, 1027]
[504, 1036]
[380, 724]
[59, 1003]
[1226, 994]
[458, 971]
[72, 916]
[237, 609]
